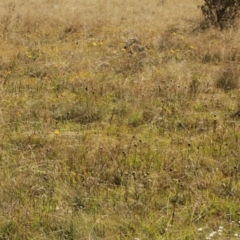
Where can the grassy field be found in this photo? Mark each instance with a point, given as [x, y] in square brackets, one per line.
[118, 120]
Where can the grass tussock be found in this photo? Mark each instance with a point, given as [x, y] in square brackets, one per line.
[118, 121]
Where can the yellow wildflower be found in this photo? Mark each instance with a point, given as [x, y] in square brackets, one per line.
[57, 132]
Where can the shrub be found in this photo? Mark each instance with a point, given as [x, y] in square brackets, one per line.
[220, 13]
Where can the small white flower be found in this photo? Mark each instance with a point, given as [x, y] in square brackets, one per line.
[220, 227]
[200, 229]
[235, 235]
[212, 234]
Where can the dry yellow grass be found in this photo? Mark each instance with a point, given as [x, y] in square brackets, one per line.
[118, 121]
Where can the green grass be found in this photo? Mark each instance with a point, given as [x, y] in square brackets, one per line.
[105, 140]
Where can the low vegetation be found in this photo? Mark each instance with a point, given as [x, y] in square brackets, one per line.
[118, 121]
